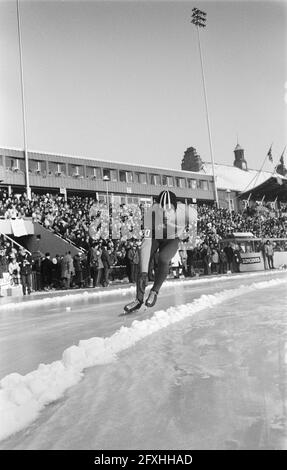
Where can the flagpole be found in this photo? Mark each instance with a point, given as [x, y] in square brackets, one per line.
[255, 177]
[28, 189]
[259, 172]
[275, 167]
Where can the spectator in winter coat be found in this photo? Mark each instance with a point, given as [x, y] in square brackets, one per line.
[269, 251]
[229, 253]
[262, 250]
[96, 265]
[114, 260]
[46, 271]
[134, 259]
[25, 263]
[206, 257]
[36, 268]
[107, 266]
[14, 270]
[222, 261]
[78, 270]
[236, 260]
[183, 257]
[3, 261]
[67, 270]
[214, 261]
[191, 258]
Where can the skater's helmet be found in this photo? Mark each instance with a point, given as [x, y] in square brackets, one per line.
[167, 200]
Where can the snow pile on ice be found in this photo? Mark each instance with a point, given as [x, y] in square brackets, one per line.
[68, 298]
[22, 397]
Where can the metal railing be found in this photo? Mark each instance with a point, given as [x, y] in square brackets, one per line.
[67, 240]
[13, 242]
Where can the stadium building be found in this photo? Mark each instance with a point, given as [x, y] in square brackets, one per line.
[120, 182]
[128, 183]
[231, 180]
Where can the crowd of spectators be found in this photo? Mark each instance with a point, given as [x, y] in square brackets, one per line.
[103, 263]
[72, 218]
[104, 259]
[261, 220]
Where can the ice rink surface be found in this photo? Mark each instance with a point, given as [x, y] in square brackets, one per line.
[214, 380]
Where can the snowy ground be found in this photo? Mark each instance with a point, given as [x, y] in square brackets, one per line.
[194, 377]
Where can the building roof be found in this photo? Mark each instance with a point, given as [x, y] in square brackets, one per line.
[238, 147]
[275, 186]
[233, 178]
[95, 160]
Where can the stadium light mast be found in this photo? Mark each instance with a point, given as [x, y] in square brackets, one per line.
[28, 189]
[107, 179]
[198, 18]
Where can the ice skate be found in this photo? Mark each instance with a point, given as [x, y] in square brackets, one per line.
[133, 306]
[152, 298]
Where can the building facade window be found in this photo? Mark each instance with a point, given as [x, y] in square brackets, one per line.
[76, 171]
[111, 174]
[203, 185]
[37, 167]
[126, 176]
[93, 172]
[15, 164]
[192, 184]
[155, 180]
[140, 178]
[180, 182]
[114, 175]
[56, 169]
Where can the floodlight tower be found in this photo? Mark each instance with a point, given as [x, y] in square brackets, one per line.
[198, 18]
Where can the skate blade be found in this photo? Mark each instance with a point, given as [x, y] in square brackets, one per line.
[142, 309]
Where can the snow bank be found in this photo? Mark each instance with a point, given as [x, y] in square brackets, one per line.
[68, 298]
[23, 397]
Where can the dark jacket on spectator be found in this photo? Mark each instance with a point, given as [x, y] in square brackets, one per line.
[25, 263]
[46, 269]
[106, 259]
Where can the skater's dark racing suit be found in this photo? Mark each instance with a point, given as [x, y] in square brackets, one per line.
[164, 224]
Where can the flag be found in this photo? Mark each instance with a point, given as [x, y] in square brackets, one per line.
[282, 157]
[279, 180]
[246, 201]
[273, 203]
[269, 154]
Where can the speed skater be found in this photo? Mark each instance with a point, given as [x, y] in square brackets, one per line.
[164, 224]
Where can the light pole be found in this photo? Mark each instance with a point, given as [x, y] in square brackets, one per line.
[28, 189]
[107, 179]
[199, 20]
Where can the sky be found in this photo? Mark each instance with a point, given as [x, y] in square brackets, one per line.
[122, 81]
